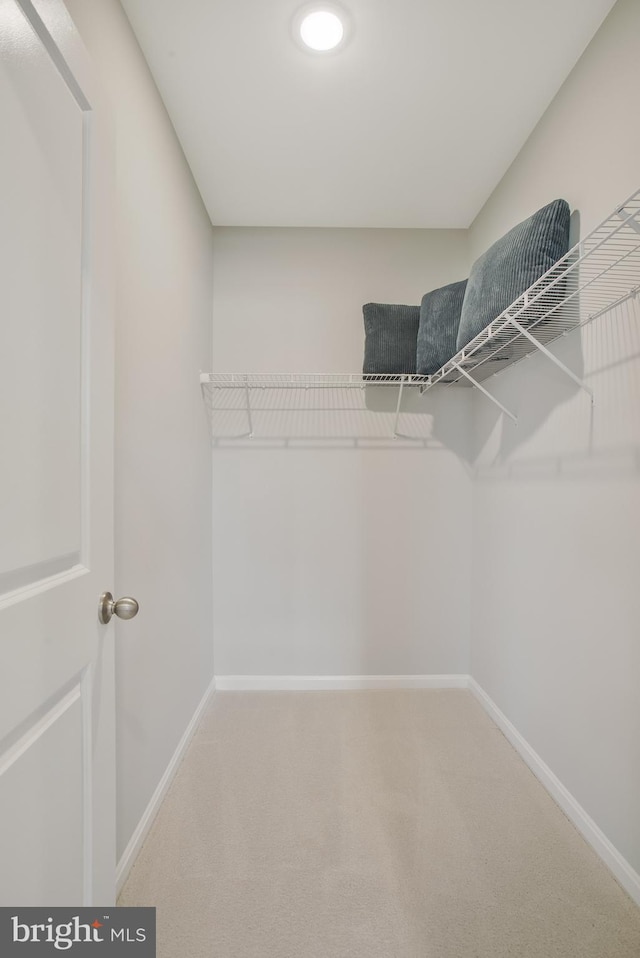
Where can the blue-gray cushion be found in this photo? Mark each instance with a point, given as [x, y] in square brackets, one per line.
[438, 330]
[391, 334]
[511, 265]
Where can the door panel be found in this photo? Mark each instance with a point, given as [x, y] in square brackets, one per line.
[44, 762]
[56, 405]
[41, 255]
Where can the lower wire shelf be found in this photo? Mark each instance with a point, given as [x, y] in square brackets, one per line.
[318, 406]
[599, 273]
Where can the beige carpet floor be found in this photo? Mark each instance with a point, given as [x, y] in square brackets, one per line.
[390, 824]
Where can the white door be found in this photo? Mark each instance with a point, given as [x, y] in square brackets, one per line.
[56, 551]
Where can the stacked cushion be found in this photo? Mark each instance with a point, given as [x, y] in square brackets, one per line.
[511, 265]
[440, 312]
[391, 335]
[410, 339]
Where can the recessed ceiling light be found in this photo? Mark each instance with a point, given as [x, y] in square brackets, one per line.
[321, 30]
[321, 27]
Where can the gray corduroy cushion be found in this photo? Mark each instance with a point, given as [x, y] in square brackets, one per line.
[391, 334]
[438, 331]
[511, 265]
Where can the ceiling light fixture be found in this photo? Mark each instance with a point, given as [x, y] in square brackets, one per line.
[321, 27]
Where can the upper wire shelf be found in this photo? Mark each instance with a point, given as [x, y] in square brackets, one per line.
[600, 272]
[597, 274]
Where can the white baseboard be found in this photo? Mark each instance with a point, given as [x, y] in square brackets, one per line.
[310, 683]
[622, 870]
[135, 842]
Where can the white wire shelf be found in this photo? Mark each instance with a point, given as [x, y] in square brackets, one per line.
[599, 273]
[347, 406]
[308, 380]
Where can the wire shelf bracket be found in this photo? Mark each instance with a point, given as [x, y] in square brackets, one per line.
[399, 403]
[486, 392]
[554, 359]
[248, 401]
[629, 220]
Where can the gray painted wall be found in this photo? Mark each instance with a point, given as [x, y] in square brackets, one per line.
[164, 657]
[335, 561]
[554, 636]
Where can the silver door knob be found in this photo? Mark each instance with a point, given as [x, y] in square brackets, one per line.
[124, 608]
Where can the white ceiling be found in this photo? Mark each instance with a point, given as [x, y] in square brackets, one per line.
[412, 124]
